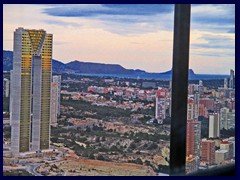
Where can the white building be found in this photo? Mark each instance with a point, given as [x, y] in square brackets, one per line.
[161, 98]
[55, 98]
[214, 125]
[227, 118]
[6, 87]
[220, 156]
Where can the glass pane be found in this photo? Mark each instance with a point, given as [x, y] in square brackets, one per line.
[114, 114]
[211, 90]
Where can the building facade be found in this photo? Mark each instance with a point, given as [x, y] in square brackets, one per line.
[193, 138]
[208, 151]
[225, 83]
[231, 81]
[55, 98]
[227, 145]
[192, 164]
[6, 87]
[161, 98]
[214, 125]
[31, 90]
[227, 118]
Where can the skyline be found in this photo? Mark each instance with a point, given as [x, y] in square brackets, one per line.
[136, 38]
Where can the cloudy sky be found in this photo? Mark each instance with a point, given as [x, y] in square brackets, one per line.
[133, 35]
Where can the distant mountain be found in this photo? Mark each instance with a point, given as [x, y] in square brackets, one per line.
[58, 66]
[190, 72]
[97, 68]
[77, 67]
[100, 69]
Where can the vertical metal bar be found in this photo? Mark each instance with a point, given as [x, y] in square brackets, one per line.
[179, 89]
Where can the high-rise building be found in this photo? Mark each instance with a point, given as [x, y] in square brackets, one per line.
[231, 140]
[214, 125]
[200, 87]
[161, 97]
[193, 138]
[203, 111]
[208, 151]
[31, 90]
[190, 109]
[6, 85]
[221, 155]
[225, 85]
[192, 164]
[192, 88]
[231, 81]
[196, 105]
[55, 98]
[11, 97]
[193, 145]
[227, 118]
[208, 103]
[227, 145]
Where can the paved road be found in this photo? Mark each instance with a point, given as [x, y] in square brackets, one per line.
[31, 168]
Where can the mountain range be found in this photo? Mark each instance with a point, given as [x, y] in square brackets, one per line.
[98, 69]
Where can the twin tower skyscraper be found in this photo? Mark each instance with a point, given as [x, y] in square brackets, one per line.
[30, 98]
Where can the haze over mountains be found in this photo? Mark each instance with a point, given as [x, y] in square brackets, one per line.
[100, 69]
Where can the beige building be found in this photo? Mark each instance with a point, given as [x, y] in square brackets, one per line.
[228, 146]
[221, 155]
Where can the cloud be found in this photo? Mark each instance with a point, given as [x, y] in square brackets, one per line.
[232, 31]
[210, 44]
[125, 19]
[121, 19]
[217, 18]
[59, 43]
[215, 42]
[94, 10]
[61, 23]
[213, 54]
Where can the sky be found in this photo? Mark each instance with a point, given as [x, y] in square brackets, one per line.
[136, 36]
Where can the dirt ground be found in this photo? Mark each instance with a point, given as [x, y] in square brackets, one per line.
[86, 167]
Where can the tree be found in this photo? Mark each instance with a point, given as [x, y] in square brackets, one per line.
[91, 156]
[100, 157]
[132, 145]
[147, 163]
[138, 161]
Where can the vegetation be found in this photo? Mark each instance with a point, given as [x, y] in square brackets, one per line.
[101, 112]
[17, 173]
[226, 133]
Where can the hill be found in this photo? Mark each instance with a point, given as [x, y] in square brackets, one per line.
[100, 69]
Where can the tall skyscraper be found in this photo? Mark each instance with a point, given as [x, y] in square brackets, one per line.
[190, 109]
[196, 105]
[193, 145]
[161, 96]
[214, 125]
[225, 84]
[200, 87]
[193, 137]
[208, 151]
[231, 81]
[55, 98]
[31, 90]
[6, 85]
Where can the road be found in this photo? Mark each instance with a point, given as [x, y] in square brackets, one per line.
[31, 168]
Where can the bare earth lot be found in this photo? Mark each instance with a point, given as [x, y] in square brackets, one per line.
[86, 167]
